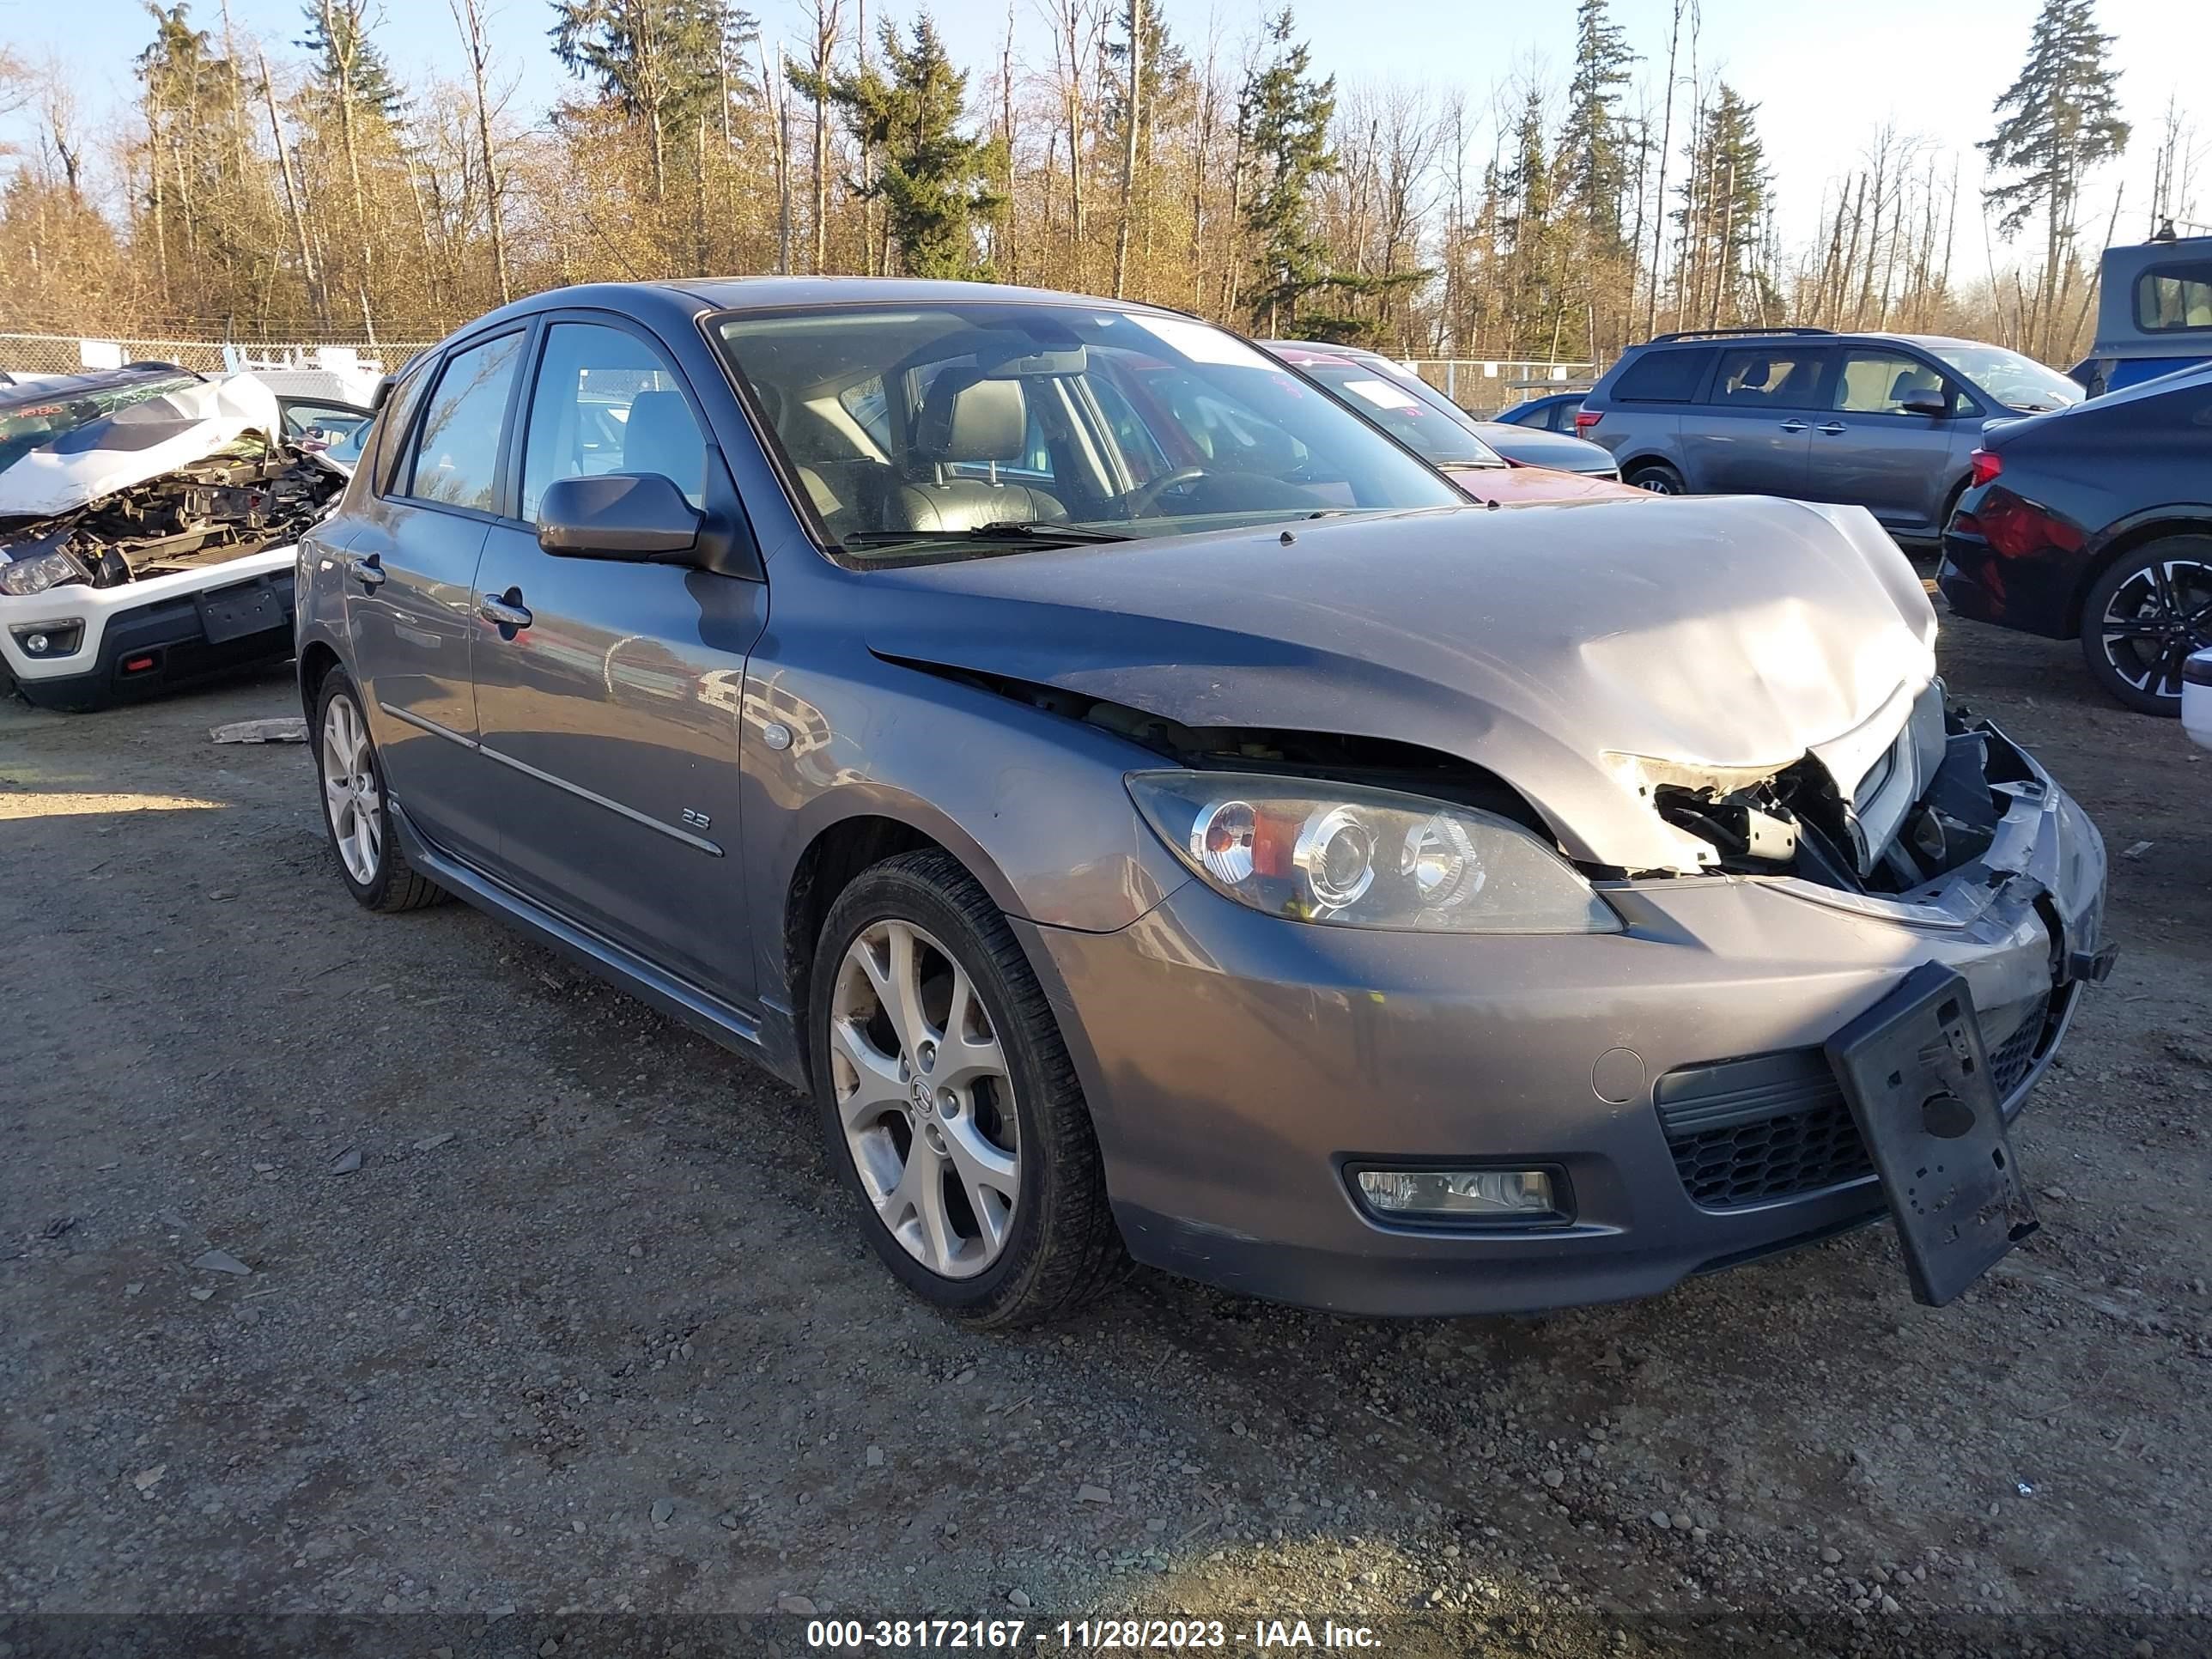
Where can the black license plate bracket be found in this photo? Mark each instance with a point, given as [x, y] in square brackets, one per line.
[1917, 1077]
[236, 612]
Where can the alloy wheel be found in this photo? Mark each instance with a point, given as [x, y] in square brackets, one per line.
[350, 796]
[925, 1098]
[2154, 620]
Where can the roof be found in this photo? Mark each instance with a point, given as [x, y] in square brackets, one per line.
[771, 293]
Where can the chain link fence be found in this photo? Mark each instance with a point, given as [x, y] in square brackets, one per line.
[1486, 385]
[58, 353]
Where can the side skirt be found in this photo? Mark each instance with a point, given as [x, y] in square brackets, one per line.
[768, 1038]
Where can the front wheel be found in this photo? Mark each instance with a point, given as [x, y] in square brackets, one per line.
[1656, 476]
[2143, 617]
[949, 1104]
[356, 810]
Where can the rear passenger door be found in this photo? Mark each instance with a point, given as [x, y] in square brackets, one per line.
[609, 695]
[409, 586]
[1753, 433]
[1868, 451]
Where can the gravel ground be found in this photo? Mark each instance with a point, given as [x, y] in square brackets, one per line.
[358, 1265]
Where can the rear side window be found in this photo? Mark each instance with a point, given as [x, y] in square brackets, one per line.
[392, 427]
[457, 452]
[2170, 299]
[1767, 380]
[1662, 377]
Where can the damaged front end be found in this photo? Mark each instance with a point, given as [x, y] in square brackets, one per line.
[162, 474]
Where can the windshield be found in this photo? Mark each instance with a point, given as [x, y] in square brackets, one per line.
[1406, 405]
[915, 429]
[29, 425]
[2016, 381]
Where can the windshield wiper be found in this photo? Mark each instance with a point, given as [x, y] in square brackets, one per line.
[1040, 530]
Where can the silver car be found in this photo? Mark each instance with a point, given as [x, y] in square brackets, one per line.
[1886, 422]
[1156, 818]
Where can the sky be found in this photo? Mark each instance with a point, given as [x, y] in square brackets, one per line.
[1824, 74]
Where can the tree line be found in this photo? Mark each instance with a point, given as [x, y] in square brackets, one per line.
[302, 190]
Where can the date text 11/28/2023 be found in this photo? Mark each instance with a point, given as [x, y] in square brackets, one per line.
[1088, 1635]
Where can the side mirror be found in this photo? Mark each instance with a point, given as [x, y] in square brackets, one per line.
[1926, 401]
[634, 516]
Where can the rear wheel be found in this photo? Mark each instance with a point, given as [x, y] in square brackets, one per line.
[2144, 617]
[1656, 476]
[948, 1102]
[357, 811]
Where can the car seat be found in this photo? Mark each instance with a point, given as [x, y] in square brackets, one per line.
[663, 436]
[969, 421]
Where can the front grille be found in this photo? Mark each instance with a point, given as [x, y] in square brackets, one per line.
[1746, 1132]
[2011, 1059]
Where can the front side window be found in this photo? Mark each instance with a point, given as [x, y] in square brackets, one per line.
[2016, 381]
[2172, 298]
[1878, 382]
[915, 430]
[456, 453]
[1767, 380]
[607, 401]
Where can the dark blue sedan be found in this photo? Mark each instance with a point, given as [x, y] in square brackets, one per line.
[2095, 522]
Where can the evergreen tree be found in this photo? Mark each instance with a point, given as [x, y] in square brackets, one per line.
[1163, 79]
[2059, 119]
[660, 63]
[347, 65]
[1284, 118]
[1723, 218]
[1594, 164]
[935, 181]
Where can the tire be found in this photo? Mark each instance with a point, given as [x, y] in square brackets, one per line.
[1656, 476]
[370, 862]
[2149, 610]
[1021, 1231]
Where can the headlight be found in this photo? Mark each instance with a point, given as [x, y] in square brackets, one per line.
[1365, 857]
[40, 572]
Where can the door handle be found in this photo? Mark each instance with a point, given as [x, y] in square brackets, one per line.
[505, 611]
[1793, 426]
[1830, 426]
[369, 572]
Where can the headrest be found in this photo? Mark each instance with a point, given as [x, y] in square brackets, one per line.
[965, 418]
[661, 435]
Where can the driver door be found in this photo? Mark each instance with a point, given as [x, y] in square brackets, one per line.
[609, 693]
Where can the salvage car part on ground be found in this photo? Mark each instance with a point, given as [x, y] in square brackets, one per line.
[1165, 819]
[147, 517]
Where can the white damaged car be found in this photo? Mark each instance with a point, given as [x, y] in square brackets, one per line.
[147, 516]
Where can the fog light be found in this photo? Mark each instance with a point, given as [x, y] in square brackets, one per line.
[1458, 1194]
[48, 639]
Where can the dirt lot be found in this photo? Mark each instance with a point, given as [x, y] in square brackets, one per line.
[589, 1331]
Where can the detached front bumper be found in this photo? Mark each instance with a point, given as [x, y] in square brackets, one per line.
[107, 645]
[1238, 1066]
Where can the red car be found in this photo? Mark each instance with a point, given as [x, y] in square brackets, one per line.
[1434, 427]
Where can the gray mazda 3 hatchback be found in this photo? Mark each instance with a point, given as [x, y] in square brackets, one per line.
[1156, 818]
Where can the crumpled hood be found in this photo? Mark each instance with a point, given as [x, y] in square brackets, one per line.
[137, 443]
[1562, 647]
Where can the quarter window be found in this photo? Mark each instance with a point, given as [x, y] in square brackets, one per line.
[391, 424]
[1662, 377]
[2171, 298]
[457, 455]
[1878, 382]
[607, 401]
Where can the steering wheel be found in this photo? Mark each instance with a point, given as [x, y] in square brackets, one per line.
[1141, 499]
